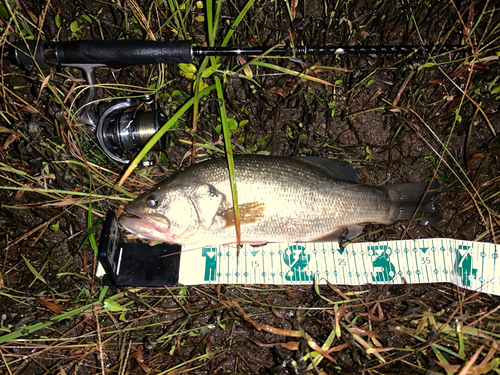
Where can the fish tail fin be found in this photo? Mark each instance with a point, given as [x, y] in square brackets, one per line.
[414, 201]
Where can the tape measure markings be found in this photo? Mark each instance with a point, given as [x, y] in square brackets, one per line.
[467, 264]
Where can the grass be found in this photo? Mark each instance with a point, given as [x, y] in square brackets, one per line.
[397, 118]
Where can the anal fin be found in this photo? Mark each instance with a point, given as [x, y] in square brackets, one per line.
[347, 233]
[258, 244]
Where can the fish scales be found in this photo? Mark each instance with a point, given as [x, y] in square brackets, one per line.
[301, 203]
[281, 199]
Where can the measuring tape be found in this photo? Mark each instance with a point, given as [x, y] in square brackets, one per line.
[467, 264]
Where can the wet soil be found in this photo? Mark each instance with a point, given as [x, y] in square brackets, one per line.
[388, 115]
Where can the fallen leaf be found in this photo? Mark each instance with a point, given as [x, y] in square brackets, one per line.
[438, 81]
[19, 195]
[293, 6]
[279, 91]
[44, 83]
[470, 20]
[398, 31]
[402, 88]
[3, 129]
[10, 139]
[54, 307]
[290, 345]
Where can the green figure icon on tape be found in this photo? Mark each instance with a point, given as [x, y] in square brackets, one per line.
[383, 269]
[463, 265]
[296, 258]
[209, 253]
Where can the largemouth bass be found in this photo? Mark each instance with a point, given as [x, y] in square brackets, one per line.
[281, 199]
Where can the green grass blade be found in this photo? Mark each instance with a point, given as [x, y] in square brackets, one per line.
[175, 9]
[48, 193]
[289, 71]
[237, 21]
[229, 154]
[210, 25]
[197, 93]
[33, 270]
[91, 235]
[35, 327]
[161, 132]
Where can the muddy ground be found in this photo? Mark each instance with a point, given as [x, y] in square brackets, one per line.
[391, 116]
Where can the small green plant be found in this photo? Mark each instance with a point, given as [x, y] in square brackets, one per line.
[368, 156]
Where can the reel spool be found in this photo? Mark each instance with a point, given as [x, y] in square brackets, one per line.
[121, 131]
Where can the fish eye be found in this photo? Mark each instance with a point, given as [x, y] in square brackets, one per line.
[211, 192]
[152, 200]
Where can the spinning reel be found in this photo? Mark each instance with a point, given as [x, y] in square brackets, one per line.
[123, 131]
[119, 128]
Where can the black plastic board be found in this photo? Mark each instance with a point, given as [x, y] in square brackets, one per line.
[131, 264]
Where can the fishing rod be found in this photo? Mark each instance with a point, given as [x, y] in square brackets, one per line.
[122, 130]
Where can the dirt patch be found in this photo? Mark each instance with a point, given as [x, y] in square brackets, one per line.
[396, 118]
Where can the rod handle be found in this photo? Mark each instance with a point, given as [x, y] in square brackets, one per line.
[121, 53]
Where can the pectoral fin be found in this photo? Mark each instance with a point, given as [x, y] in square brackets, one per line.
[250, 213]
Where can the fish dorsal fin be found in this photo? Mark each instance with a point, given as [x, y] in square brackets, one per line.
[334, 168]
[250, 213]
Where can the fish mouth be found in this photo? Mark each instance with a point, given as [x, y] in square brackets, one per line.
[153, 227]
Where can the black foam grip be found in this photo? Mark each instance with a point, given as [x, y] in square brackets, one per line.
[121, 53]
[29, 52]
